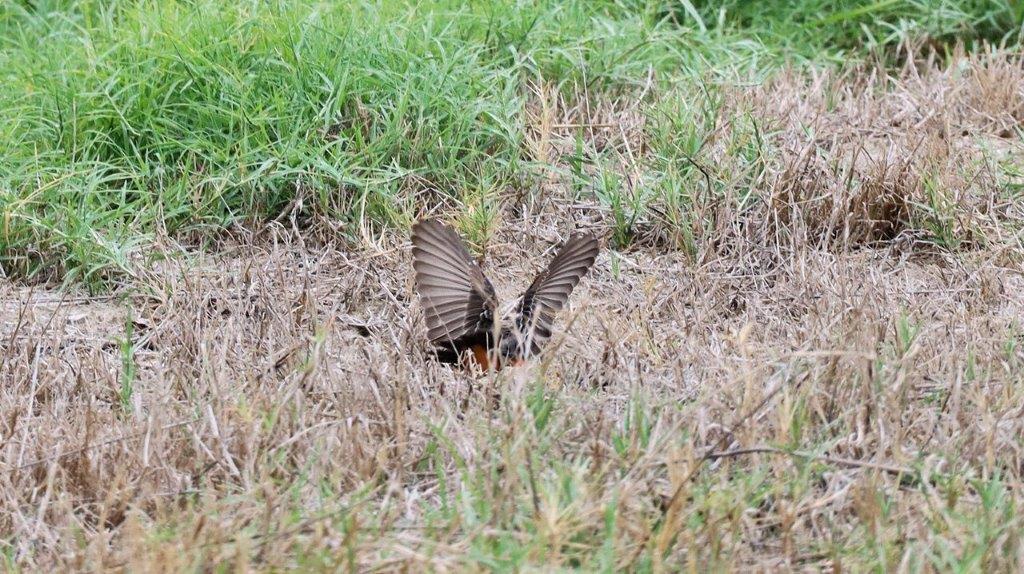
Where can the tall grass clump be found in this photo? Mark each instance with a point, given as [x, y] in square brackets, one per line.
[132, 119]
[844, 28]
[135, 118]
[161, 116]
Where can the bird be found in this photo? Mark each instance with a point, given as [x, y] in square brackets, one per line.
[465, 324]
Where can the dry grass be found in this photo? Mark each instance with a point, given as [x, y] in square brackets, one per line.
[826, 375]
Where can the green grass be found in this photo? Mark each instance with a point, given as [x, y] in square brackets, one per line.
[127, 120]
[128, 367]
[846, 28]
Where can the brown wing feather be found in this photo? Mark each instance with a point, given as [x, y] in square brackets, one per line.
[458, 300]
[550, 291]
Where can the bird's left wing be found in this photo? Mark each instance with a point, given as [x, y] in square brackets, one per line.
[550, 291]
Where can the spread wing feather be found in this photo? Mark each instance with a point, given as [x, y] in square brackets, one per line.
[550, 291]
[458, 299]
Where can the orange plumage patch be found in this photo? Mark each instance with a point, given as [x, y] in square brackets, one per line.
[482, 356]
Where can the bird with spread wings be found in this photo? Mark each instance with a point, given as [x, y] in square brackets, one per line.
[461, 307]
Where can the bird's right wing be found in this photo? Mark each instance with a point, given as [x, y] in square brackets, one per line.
[458, 299]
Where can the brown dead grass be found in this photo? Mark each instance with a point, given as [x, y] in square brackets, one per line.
[804, 390]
